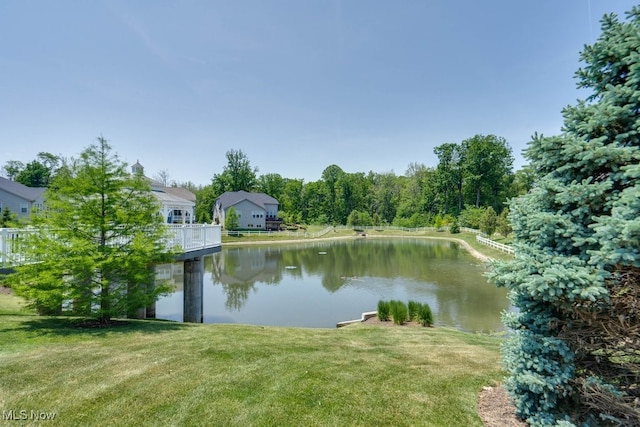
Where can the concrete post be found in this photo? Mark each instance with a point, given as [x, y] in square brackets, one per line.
[193, 290]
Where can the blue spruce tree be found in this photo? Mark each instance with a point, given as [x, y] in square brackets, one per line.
[574, 356]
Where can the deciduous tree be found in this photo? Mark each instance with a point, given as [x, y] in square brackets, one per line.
[94, 244]
[34, 174]
[237, 174]
[488, 159]
[12, 168]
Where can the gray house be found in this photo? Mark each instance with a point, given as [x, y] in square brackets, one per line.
[20, 199]
[255, 210]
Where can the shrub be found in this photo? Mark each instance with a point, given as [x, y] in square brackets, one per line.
[383, 310]
[425, 315]
[414, 307]
[455, 226]
[399, 312]
[489, 221]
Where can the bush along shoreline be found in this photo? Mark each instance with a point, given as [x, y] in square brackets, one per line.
[401, 313]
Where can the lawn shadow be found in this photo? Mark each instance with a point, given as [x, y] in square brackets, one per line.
[74, 326]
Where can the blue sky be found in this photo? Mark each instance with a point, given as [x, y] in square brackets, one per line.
[297, 85]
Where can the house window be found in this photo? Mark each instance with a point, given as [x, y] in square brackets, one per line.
[24, 207]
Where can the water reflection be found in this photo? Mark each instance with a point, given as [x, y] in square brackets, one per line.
[319, 284]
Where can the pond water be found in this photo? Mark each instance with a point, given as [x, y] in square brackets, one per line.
[322, 283]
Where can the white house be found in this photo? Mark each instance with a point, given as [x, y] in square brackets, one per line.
[20, 199]
[255, 210]
[177, 205]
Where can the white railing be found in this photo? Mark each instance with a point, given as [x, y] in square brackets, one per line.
[193, 237]
[501, 247]
[10, 245]
[186, 238]
[470, 230]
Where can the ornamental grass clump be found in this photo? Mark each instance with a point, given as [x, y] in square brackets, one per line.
[402, 313]
[399, 312]
[424, 315]
[413, 306]
[383, 310]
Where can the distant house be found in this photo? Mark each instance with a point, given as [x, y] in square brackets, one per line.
[255, 210]
[177, 205]
[20, 199]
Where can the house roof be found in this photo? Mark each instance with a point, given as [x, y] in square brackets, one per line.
[168, 198]
[231, 198]
[27, 193]
[180, 192]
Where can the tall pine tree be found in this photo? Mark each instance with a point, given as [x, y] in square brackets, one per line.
[574, 357]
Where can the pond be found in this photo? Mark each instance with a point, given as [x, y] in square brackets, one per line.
[322, 283]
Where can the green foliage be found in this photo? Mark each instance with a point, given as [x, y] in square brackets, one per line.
[489, 221]
[399, 312]
[424, 315]
[522, 181]
[205, 200]
[35, 174]
[471, 217]
[416, 220]
[231, 219]
[94, 244]
[384, 310]
[449, 179]
[504, 225]
[573, 357]
[454, 228]
[7, 218]
[272, 184]
[357, 218]
[438, 222]
[487, 160]
[12, 168]
[237, 174]
[413, 307]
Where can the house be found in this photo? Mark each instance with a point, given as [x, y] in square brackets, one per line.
[255, 210]
[177, 205]
[20, 199]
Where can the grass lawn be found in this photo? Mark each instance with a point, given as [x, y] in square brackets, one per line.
[163, 373]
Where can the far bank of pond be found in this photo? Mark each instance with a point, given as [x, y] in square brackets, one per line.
[322, 282]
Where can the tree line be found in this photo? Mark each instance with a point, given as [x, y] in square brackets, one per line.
[470, 177]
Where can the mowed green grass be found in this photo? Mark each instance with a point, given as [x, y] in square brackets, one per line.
[159, 373]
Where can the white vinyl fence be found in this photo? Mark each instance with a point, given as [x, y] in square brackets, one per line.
[499, 246]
